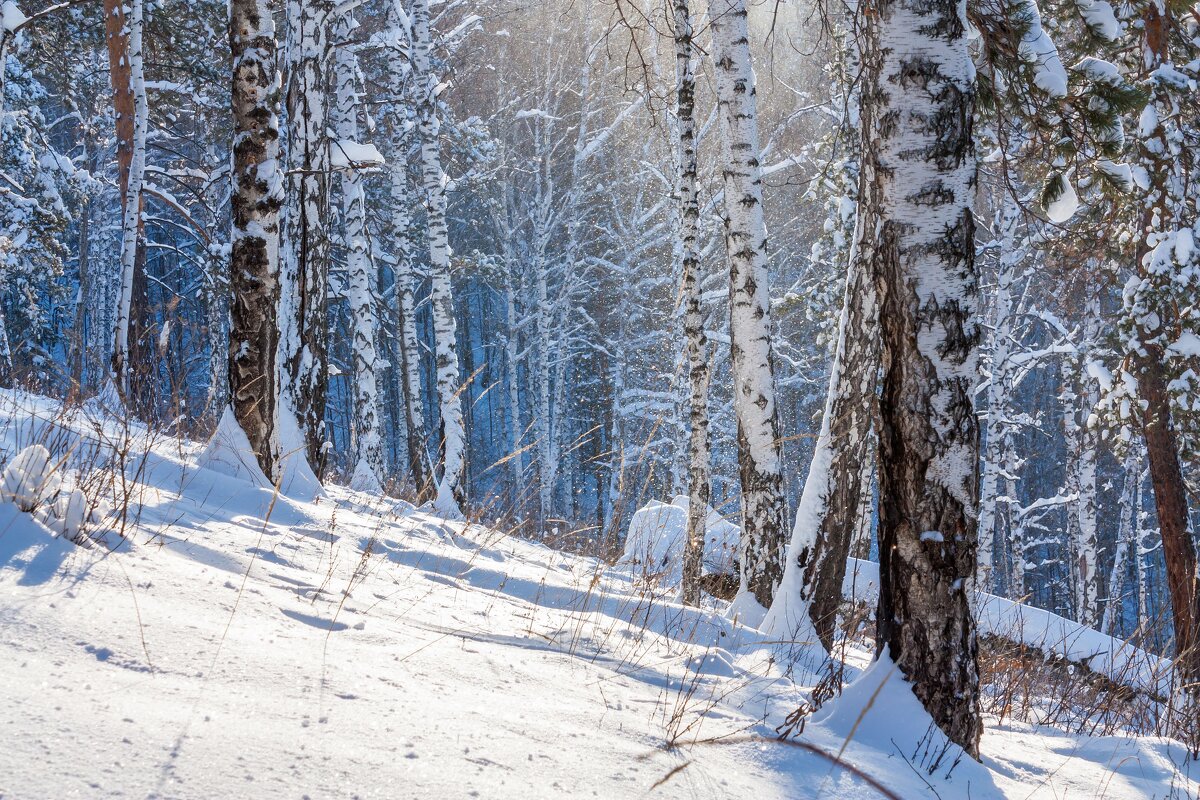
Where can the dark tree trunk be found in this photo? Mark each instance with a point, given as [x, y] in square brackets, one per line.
[918, 182]
[850, 408]
[1162, 213]
[256, 198]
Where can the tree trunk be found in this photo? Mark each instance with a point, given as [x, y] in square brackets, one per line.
[124, 38]
[1161, 216]
[698, 481]
[829, 511]
[360, 267]
[1126, 534]
[420, 471]
[918, 183]
[304, 270]
[999, 395]
[1086, 570]
[256, 198]
[451, 491]
[759, 456]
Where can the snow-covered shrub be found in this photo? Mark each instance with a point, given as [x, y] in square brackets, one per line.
[33, 482]
[655, 542]
[67, 515]
[29, 479]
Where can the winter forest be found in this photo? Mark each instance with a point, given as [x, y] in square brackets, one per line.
[818, 379]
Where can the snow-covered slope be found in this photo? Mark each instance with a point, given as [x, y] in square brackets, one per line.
[240, 644]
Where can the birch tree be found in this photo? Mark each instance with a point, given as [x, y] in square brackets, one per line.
[353, 158]
[698, 483]
[759, 457]
[402, 123]
[304, 270]
[257, 198]
[451, 491]
[124, 36]
[917, 187]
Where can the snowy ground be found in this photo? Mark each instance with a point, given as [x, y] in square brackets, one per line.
[242, 645]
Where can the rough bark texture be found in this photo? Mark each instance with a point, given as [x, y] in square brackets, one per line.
[764, 510]
[839, 476]
[305, 264]
[256, 197]
[1162, 443]
[451, 488]
[699, 487]
[123, 36]
[1170, 501]
[420, 470]
[360, 268]
[919, 175]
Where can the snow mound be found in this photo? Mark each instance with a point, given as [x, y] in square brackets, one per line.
[29, 479]
[656, 538]
[29, 548]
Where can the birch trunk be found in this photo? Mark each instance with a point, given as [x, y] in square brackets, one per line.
[698, 482]
[256, 198]
[420, 471]
[1087, 584]
[1126, 534]
[512, 356]
[759, 457]
[124, 36]
[451, 492]
[304, 273]
[999, 393]
[829, 514]
[360, 268]
[918, 184]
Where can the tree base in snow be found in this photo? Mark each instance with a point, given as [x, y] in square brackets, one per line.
[228, 452]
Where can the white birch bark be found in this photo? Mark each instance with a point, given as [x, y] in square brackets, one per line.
[402, 124]
[919, 171]
[361, 274]
[512, 350]
[999, 393]
[1126, 535]
[451, 492]
[759, 456]
[1087, 557]
[304, 271]
[256, 197]
[131, 228]
[696, 340]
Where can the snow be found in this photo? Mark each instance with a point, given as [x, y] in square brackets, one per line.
[1100, 17]
[1121, 174]
[347, 154]
[1039, 49]
[1065, 205]
[656, 537]
[11, 17]
[1186, 345]
[243, 643]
